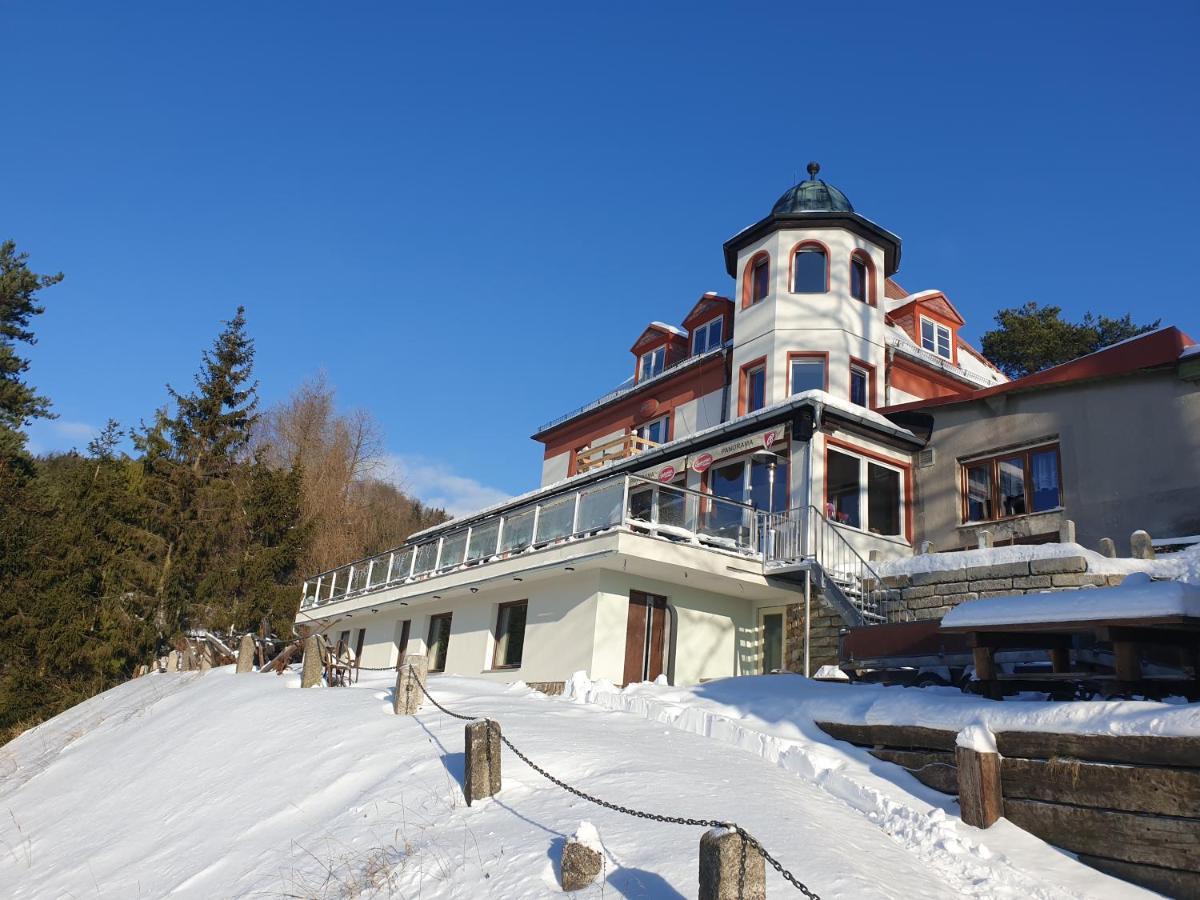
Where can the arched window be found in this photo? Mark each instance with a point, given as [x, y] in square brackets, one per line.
[810, 269]
[862, 277]
[756, 283]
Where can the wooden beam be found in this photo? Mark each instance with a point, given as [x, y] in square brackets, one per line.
[1128, 663]
[1130, 837]
[1138, 750]
[933, 768]
[1060, 659]
[1143, 789]
[985, 663]
[907, 737]
[1168, 882]
[1005, 640]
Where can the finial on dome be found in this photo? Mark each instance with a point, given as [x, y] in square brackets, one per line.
[813, 168]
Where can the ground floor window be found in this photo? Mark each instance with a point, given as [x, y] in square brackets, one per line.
[1012, 484]
[510, 634]
[863, 493]
[439, 641]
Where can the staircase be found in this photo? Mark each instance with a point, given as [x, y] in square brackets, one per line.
[803, 540]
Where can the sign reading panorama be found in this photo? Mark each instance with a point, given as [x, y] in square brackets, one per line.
[768, 438]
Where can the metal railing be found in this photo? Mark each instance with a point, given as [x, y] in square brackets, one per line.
[630, 386]
[804, 534]
[642, 505]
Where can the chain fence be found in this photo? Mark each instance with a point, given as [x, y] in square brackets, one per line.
[747, 838]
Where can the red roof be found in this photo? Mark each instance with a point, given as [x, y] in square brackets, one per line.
[1158, 348]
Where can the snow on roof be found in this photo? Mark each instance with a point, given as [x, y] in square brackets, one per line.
[1190, 351]
[1136, 598]
[889, 304]
[969, 368]
[671, 328]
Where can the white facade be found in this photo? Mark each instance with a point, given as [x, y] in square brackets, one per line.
[832, 322]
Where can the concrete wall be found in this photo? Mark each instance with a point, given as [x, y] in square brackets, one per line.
[555, 468]
[696, 415]
[1130, 450]
[576, 623]
[558, 633]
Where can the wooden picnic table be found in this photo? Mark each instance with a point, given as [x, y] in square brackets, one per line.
[1130, 637]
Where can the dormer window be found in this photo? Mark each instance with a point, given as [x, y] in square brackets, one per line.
[652, 363]
[810, 270]
[708, 336]
[760, 278]
[936, 338]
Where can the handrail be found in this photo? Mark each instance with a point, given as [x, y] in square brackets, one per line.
[630, 444]
[686, 490]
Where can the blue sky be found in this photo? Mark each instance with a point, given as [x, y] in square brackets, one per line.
[465, 214]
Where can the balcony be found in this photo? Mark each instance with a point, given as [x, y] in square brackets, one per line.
[627, 502]
[610, 451]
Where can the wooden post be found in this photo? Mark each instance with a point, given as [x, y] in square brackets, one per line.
[1128, 665]
[173, 661]
[984, 539]
[310, 674]
[407, 697]
[1066, 532]
[245, 659]
[1060, 659]
[482, 773]
[985, 663]
[1108, 547]
[721, 876]
[980, 798]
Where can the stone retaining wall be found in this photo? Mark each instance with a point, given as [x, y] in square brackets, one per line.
[930, 595]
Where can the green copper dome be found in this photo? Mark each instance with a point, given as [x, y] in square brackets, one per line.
[812, 196]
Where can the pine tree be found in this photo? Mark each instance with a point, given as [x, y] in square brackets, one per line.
[1034, 337]
[212, 424]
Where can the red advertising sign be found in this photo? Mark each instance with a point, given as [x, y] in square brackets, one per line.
[702, 462]
[666, 474]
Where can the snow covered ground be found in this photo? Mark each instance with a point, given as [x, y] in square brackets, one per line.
[218, 785]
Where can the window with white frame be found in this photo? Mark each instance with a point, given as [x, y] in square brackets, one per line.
[656, 431]
[707, 336]
[860, 385]
[935, 337]
[863, 493]
[807, 373]
[652, 363]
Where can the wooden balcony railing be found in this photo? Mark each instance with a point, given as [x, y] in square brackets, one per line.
[611, 451]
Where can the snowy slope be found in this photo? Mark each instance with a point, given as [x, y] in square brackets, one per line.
[218, 785]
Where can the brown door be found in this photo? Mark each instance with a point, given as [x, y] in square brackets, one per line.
[645, 636]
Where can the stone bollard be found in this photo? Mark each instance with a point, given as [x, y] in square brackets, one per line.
[173, 661]
[245, 660]
[205, 665]
[408, 694]
[984, 539]
[1066, 532]
[872, 556]
[980, 795]
[1108, 547]
[925, 548]
[310, 672]
[582, 858]
[1140, 545]
[481, 777]
[721, 868]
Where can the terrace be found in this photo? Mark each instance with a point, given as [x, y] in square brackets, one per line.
[628, 502]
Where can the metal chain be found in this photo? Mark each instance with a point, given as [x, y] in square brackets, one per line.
[747, 838]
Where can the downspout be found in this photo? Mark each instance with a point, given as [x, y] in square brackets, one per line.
[672, 642]
[808, 506]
